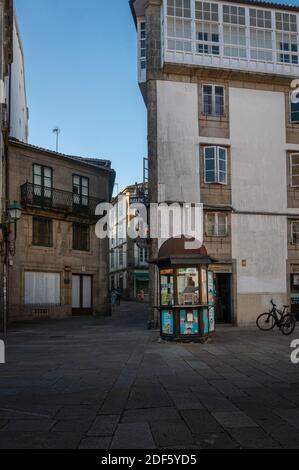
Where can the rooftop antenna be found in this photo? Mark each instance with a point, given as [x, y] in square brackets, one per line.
[56, 131]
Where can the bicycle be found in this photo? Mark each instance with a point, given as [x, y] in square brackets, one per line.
[284, 321]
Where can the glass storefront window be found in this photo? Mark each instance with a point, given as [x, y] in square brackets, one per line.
[167, 287]
[188, 286]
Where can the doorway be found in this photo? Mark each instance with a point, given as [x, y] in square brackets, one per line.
[82, 300]
[223, 298]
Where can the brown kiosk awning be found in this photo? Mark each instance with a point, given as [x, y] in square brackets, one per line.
[174, 252]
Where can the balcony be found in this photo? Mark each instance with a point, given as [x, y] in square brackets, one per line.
[39, 197]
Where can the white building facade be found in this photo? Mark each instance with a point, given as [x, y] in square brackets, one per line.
[216, 78]
[129, 269]
[19, 114]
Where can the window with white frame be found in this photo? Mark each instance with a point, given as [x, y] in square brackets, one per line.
[295, 232]
[294, 111]
[143, 255]
[286, 38]
[142, 45]
[179, 25]
[213, 100]
[294, 170]
[216, 224]
[215, 159]
[234, 31]
[207, 28]
[261, 35]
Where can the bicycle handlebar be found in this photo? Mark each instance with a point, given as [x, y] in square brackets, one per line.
[274, 305]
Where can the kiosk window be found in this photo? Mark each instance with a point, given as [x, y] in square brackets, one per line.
[167, 288]
[188, 286]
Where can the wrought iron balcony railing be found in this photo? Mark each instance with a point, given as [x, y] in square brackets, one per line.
[33, 195]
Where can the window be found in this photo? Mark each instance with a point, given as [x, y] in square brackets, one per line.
[260, 35]
[216, 224]
[142, 45]
[287, 38]
[188, 286]
[143, 255]
[81, 237]
[81, 190]
[42, 181]
[179, 25]
[213, 100]
[215, 165]
[294, 111]
[207, 28]
[181, 8]
[234, 31]
[42, 232]
[112, 259]
[42, 288]
[294, 172]
[295, 232]
[121, 256]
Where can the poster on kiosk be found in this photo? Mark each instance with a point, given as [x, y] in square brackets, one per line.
[211, 301]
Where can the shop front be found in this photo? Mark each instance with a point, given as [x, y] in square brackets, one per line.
[223, 292]
[187, 294]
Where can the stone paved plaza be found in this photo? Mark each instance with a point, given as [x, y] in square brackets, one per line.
[108, 383]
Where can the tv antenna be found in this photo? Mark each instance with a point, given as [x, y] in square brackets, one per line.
[56, 131]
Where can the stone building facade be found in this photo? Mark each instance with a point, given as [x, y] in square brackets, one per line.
[129, 269]
[60, 268]
[216, 79]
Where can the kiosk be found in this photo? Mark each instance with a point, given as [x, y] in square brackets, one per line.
[187, 292]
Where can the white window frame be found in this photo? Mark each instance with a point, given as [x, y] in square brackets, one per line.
[213, 85]
[216, 224]
[265, 30]
[237, 51]
[141, 57]
[292, 232]
[216, 160]
[291, 169]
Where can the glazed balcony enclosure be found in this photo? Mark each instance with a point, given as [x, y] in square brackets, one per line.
[257, 37]
[41, 197]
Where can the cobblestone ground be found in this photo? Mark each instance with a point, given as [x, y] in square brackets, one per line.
[110, 384]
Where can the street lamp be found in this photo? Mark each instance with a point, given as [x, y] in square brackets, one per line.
[7, 247]
[14, 211]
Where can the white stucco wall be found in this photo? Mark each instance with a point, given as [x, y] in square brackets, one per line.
[261, 241]
[178, 142]
[259, 184]
[19, 113]
[258, 141]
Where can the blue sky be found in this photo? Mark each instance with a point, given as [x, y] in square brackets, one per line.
[80, 60]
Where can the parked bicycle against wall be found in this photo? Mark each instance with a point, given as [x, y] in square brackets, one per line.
[284, 320]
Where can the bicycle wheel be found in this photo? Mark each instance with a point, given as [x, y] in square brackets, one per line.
[266, 322]
[288, 324]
